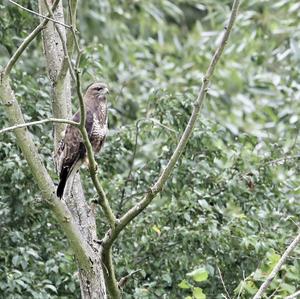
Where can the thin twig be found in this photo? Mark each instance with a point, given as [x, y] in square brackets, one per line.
[224, 286]
[124, 279]
[293, 296]
[38, 122]
[283, 159]
[131, 165]
[92, 163]
[137, 128]
[26, 42]
[277, 267]
[72, 8]
[242, 286]
[157, 187]
[39, 15]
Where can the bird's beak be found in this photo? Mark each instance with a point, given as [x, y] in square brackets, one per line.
[106, 90]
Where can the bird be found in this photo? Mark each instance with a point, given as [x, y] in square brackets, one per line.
[71, 152]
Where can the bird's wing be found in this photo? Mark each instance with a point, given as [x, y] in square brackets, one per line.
[71, 151]
[89, 122]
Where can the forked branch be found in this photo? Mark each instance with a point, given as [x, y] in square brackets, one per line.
[158, 185]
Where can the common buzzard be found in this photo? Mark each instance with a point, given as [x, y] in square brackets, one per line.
[71, 153]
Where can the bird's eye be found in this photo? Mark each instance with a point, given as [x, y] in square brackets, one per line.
[99, 88]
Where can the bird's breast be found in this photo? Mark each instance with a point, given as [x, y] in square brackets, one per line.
[98, 134]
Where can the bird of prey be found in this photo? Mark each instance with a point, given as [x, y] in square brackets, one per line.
[71, 153]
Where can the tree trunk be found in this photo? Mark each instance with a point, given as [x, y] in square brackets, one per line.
[92, 282]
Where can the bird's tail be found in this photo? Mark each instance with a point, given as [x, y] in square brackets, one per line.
[62, 182]
[64, 176]
[70, 171]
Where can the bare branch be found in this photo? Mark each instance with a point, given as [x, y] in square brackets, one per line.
[223, 283]
[157, 187]
[39, 15]
[284, 159]
[72, 9]
[124, 279]
[92, 163]
[277, 267]
[26, 42]
[109, 275]
[38, 122]
[137, 129]
[293, 296]
[41, 177]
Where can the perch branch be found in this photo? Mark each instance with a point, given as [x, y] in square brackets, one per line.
[38, 122]
[26, 42]
[277, 267]
[158, 185]
[92, 163]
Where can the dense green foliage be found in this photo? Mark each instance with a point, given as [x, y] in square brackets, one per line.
[233, 200]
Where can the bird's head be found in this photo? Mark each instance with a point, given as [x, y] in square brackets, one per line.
[97, 90]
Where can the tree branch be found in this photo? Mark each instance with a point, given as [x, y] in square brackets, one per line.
[277, 267]
[72, 9]
[284, 159]
[124, 279]
[39, 15]
[92, 163]
[137, 130]
[109, 274]
[24, 140]
[26, 42]
[38, 122]
[293, 296]
[223, 283]
[158, 185]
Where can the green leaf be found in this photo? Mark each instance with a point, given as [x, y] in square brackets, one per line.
[184, 285]
[198, 293]
[16, 260]
[199, 274]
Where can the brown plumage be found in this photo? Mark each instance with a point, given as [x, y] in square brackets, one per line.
[71, 152]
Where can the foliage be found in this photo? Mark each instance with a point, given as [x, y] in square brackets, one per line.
[233, 199]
